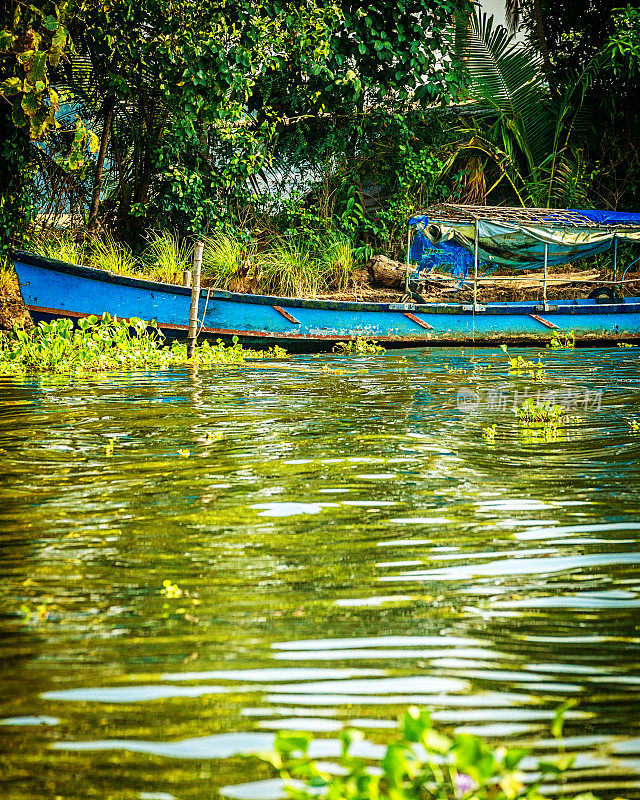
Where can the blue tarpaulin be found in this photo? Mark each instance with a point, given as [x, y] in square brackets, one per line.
[445, 256]
[527, 244]
[609, 217]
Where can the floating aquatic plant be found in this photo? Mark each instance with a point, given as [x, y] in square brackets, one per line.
[489, 433]
[106, 344]
[171, 590]
[534, 413]
[358, 347]
[521, 366]
[544, 421]
[421, 763]
[562, 341]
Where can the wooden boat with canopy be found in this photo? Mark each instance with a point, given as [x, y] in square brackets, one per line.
[468, 242]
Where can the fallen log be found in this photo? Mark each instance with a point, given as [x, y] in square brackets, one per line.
[385, 271]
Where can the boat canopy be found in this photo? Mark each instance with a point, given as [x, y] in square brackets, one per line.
[518, 238]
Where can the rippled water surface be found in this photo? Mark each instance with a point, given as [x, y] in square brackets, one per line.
[344, 542]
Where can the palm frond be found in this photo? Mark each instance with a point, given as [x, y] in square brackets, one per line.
[507, 79]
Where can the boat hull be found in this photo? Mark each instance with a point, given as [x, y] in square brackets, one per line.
[53, 289]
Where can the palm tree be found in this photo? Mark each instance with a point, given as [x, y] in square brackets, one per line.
[522, 134]
[513, 11]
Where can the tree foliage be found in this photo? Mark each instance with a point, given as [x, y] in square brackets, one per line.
[207, 98]
[523, 144]
[597, 44]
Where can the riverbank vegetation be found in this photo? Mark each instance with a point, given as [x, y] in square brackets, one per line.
[301, 135]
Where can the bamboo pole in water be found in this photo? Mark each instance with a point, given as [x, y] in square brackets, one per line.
[195, 296]
[406, 275]
[546, 270]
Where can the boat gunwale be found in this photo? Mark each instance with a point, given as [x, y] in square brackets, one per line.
[627, 305]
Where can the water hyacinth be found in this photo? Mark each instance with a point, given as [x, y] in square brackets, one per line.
[359, 347]
[421, 764]
[107, 344]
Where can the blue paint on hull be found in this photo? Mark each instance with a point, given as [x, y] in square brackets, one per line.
[55, 289]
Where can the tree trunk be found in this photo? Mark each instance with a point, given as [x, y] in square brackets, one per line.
[109, 109]
[542, 43]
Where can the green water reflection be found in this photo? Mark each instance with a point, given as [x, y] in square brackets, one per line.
[344, 542]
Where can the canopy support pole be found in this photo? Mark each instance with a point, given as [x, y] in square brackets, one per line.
[544, 282]
[475, 269]
[406, 277]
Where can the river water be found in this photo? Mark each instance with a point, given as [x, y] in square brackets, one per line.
[339, 540]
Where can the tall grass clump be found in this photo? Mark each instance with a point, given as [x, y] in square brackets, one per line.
[113, 256]
[223, 259]
[289, 271]
[61, 245]
[336, 261]
[8, 278]
[166, 256]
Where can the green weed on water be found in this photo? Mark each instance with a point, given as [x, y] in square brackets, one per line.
[521, 366]
[562, 341]
[532, 413]
[107, 344]
[489, 433]
[358, 347]
[421, 764]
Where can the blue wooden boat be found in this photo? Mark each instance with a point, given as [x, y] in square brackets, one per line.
[53, 289]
